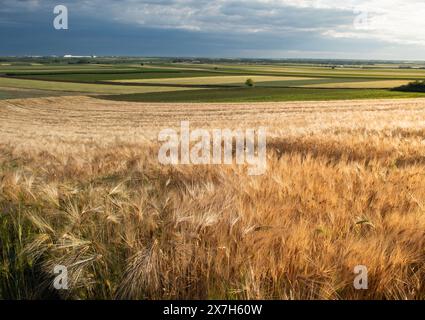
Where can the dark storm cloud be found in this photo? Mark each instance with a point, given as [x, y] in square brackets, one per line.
[267, 28]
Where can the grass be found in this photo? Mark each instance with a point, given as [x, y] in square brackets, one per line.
[302, 82]
[80, 87]
[81, 186]
[389, 73]
[388, 84]
[13, 93]
[20, 277]
[213, 80]
[43, 69]
[162, 82]
[259, 94]
[114, 76]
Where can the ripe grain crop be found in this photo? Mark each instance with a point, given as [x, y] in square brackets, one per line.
[81, 186]
[87, 88]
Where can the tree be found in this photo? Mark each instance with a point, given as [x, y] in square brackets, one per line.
[249, 82]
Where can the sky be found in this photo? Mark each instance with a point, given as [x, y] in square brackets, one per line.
[349, 29]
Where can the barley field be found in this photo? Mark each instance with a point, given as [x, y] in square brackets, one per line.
[81, 186]
[70, 87]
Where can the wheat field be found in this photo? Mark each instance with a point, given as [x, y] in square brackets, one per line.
[81, 186]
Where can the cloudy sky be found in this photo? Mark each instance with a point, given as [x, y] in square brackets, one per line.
[365, 29]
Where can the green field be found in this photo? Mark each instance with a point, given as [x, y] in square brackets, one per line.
[161, 80]
[96, 75]
[262, 94]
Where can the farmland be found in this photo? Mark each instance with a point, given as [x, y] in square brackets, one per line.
[81, 184]
[262, 94]
[161, 80]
